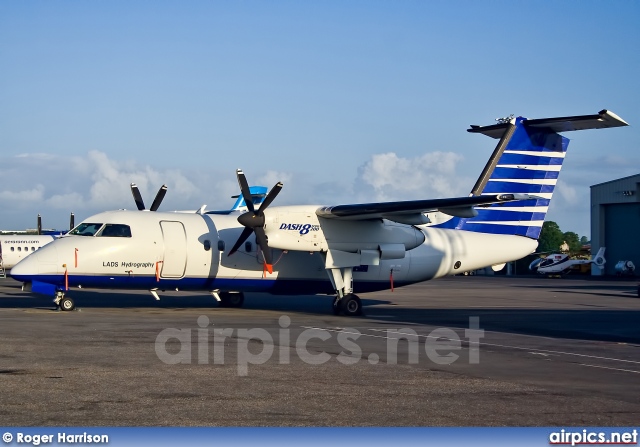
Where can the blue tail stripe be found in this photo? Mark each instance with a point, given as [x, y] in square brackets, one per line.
[520, 230]
[523, 203]
[468, 225]
[496, 214]
[536, 140]
[515, 173]
[520, 159]
[512, 187]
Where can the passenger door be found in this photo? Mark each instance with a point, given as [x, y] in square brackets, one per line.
[175, 249]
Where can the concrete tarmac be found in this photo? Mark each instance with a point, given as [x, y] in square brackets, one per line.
[558, 352]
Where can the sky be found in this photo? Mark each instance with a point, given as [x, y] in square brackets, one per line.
[342, 101]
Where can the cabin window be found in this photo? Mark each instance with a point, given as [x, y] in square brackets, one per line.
[13, 249]
[19, 248]
[86, 229]
[221, 245]
[33, 248]
[546, 262]
[115, 230]
[207, 244]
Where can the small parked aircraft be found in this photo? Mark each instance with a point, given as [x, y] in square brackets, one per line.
[561, 263]
[320, 249]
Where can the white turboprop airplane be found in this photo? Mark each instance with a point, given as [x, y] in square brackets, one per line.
[315, 249]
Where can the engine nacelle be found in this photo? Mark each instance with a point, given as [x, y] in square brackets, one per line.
[299, 228]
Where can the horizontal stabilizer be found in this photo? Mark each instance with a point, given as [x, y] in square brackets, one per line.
[603, 119]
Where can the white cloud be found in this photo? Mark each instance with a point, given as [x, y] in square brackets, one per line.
[567, 193]
[54, 185]
[270, 178]
[428, 176]
[34, 194]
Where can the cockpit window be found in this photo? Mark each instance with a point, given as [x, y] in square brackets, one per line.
[115, 230]
[86, 229]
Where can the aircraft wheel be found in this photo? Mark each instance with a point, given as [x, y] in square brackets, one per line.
[350, 305]
[231, 299]
[67, 304]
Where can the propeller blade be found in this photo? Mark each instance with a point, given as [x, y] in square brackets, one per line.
[246, 232]
[137, 197]
[271, 196]
[244, 188]
[39, 224]
[261, 239]
[158, 200]
[72, 221]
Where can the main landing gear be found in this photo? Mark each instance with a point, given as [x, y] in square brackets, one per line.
[231, 299]
[346, 302]
[64, 302]
[350, 305]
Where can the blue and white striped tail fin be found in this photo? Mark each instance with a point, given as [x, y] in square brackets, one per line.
[528, 159]
[530, 164]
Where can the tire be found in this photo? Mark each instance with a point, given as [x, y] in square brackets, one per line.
[350, 305]
[67, 304]
[230, 299]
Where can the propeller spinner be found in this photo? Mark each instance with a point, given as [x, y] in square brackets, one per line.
[253, 221]
[156, 202]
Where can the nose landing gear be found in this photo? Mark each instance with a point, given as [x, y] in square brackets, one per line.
[64, 302]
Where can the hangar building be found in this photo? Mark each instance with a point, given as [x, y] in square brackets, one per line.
[615, 222]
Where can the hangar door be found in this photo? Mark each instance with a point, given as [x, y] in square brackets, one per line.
[175, 249]
[621, 235]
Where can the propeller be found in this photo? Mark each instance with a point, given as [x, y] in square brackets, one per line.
[137, 197]
[253, 221]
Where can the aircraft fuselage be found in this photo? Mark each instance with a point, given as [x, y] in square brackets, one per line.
[189, 252]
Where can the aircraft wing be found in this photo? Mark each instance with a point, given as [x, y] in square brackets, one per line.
[411, 211]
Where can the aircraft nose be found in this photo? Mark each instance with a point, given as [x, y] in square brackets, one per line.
[25, 270]
[42, 262]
